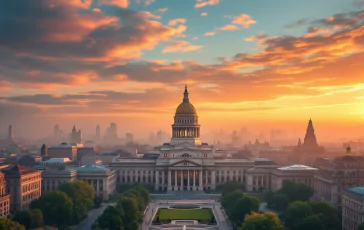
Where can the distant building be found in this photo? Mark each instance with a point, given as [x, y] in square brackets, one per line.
[23, 184]
[52, 179]
[111, 133]
[352, 208]
[98, 133]
[337, 175]
[4, 197]
[76, 136]
[44, 151]
[129, 137]
[309, 144]
[63, 150]
[103, 179]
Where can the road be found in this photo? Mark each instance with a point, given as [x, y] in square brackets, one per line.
[92, 215]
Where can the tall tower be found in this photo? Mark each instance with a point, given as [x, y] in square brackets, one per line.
[98, 133]
[186, 128]
[310, 137]
[11, 138]
[44, 151]
[56, 130]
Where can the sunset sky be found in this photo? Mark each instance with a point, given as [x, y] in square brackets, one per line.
[257, 63]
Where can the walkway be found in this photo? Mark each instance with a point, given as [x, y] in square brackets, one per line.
[92, 216]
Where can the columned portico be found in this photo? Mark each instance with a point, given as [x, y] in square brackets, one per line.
[185, 179]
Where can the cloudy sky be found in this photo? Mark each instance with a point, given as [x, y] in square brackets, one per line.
[256, 63]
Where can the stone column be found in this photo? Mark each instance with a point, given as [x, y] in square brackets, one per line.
[194, 178]
[213, 180]
[200, 180]
[156, 180]
[169, 180]
[163, 178]
[175, 178]
[206, 177]
[97, 187]
[188, 178]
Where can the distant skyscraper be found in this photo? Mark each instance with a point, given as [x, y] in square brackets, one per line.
[11, 138]
[76, 136]
[98, 133]
[129, 138]
[56, 131]
[44, 151]
[111, 133]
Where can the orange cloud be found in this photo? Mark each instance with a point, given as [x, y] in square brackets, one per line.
[204, 14]
[146, 2]
[180, 46]
[174, 22]
[243, 20]
[228, 28]
[161, 10]
[119, 3]
[209, 34]
[96, 10]
[202, 3]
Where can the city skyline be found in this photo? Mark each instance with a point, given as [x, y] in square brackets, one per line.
[265, 65]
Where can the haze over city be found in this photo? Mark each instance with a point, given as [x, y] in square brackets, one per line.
[263, 65]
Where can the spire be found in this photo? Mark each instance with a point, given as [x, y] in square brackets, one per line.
[10, 133]
[185, 95]
[74, 128]
[310, 137]
[299, 142]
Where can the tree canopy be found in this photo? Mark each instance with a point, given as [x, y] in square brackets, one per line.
[82, 196]
[6, 224]
[29, 218]
[57, 208]
[265, 221]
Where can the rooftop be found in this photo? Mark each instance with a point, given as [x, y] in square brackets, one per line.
[63, 145]
[17, 170]
[95, 168]
[297, 167]
[357, 191]
[57, 160]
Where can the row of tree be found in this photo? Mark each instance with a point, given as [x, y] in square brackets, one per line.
[237, 205]
[291, 191]
[61, 208]
[298, 213]
[128, 212]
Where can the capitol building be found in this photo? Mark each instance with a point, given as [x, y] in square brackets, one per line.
[187, 163]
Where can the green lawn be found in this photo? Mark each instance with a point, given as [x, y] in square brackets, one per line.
[203, 215]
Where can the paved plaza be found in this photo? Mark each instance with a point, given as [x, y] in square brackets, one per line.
[185, 198]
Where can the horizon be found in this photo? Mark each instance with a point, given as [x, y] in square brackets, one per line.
[266, 65]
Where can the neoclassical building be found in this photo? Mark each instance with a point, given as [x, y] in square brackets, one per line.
[185, 163]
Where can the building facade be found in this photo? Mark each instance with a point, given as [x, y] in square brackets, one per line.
[337, 175]
[352, 208]
[63, 150]
[23, 184]
[4, 198]
[187, 163]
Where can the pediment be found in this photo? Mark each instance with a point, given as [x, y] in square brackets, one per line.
[185, 163]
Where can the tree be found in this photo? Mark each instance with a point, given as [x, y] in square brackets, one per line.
[97, 201]
[242, 207]
[111, 219]
[131, 216]
[330, 215]
[229, 187]
[264, 221]
[6, 224]
[296, 191]
[82, 196]
[311, 222]
[361, 226]
[57, 208]
[229, 199]
[296, 211]
[280, 201]
[29, 218]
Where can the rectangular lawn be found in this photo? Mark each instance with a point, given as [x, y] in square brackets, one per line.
[202, 215]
